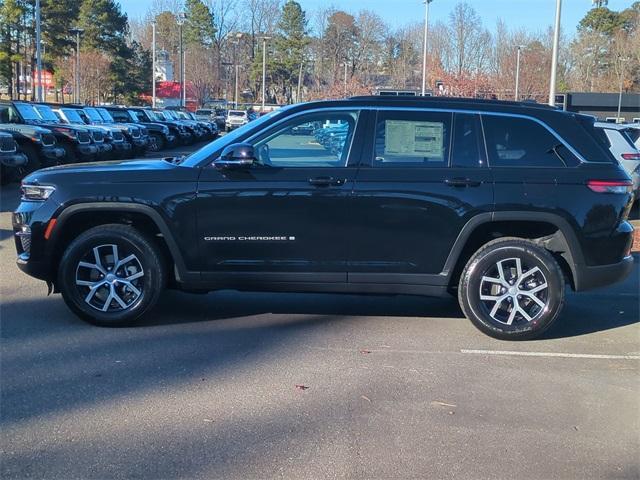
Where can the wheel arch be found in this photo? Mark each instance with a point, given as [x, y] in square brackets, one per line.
[548, 230]
[122, 213]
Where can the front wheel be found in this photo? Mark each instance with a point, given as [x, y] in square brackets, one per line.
[111, 275]
[512, 289]
[157, 143]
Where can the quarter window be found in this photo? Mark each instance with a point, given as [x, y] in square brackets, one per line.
[468, 145]
[412, 139]
[520, 142]
[314, 140]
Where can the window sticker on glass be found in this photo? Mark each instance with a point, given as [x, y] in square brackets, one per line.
[415, 139]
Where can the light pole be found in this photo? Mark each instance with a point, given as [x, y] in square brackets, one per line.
[76, 89]
[554, 56]
[264, 69]
[38, 51]
[424, 46]
[153, 64]
[517, 93]
[345, 79]
[180, 20]
[621, 61]
[236, 42]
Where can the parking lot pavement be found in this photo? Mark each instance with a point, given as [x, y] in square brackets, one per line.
[256, 385]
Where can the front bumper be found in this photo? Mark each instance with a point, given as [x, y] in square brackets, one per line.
[122, 146]
[86, 149]
[141, 142]
[13, 159]
[104, 147]
[52, 153]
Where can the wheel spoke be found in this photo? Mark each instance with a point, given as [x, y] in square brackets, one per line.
[528, 273]
[130, 286]
[530, 295]
[501, 274]
[92, 292]
[514, 311]
[538, 288]
[117, 298]
[134, 276]
[496, 307]
[124, 261]
[490, 298]
[518, 268]
[493, 280]
[116, 262]
[107, 302]
[85, 283]
[523, 312]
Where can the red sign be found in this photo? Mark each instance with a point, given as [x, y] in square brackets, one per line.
[47, 78]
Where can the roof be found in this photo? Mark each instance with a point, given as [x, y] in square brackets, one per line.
[433, 101]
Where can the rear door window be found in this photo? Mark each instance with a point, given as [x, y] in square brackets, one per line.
[521, 142]
[412, 139]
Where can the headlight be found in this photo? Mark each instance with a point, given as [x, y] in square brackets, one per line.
[65, 131]
[36, 137]
[36, 192]
[165, 130]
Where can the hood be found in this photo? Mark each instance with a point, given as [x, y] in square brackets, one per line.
[23, 128]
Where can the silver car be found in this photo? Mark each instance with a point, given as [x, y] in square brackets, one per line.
[625, 151]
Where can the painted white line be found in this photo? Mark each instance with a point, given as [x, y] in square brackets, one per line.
[553, 354]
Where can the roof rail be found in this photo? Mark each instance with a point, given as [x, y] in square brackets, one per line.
[482, 101]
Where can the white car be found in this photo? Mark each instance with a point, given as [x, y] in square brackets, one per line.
[623, 148]
[235, 119]
[633, 132]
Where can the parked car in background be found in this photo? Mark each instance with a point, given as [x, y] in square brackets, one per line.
[104, 149]
[623, 149]
[235, 119]
[112, 136]
[159, 135]
[179, 131]
[633, 131]
[75, 140]
[209, 127]
[12, 160]
[220, 118]
[38, 144]
[205, 114]
[91, 116]
[139, 133]
[196, 130]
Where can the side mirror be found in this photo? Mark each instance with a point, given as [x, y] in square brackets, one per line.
[237, 155]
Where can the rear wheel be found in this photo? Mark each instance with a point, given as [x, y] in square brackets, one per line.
[512, 289]
[111, 275]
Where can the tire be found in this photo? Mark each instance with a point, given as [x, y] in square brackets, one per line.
[33, 161]
[137, 283]
[69, 153]
[158, 143]
[489, 289]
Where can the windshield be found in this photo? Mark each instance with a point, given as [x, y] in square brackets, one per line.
[93, 114]
[203, 112]
[182, 115]
[171, 115]
[106, 116]
[135, 116]
[27, 111]
[71, 115]
[161, 115]
[237, 113]
[46, 113]
[207, 152]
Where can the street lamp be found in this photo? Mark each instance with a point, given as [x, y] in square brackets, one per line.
[345, 78]
[554, 55]
[77, 31]
[180, 20]
[153, 64]
[519, 47]
[238, 36]
[424, 46]
[621, 61]
[264, 69]
[38, 52]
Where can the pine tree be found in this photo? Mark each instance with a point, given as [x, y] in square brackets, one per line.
[199, 28]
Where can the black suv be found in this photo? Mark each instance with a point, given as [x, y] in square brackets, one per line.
[499, 203]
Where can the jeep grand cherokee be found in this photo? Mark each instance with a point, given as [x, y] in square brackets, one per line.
[499, 203]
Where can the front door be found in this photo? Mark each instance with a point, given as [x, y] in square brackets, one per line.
[426, 177]
[287, 217]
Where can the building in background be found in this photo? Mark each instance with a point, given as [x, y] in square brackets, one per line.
[601, 105]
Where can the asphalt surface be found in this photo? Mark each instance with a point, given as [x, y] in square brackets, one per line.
[253, 385]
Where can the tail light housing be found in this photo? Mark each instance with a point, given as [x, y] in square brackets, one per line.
[631, 156]
[610, 186]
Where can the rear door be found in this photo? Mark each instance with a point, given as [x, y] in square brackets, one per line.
[424, 177]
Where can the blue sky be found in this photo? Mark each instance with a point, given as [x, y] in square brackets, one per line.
[532, 14]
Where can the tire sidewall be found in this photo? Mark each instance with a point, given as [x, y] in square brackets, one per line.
[532, 257]
[75, 300]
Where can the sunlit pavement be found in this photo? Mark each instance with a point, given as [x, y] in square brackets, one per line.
[256, 385]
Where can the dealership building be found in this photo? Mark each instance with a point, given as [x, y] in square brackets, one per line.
[602, 105]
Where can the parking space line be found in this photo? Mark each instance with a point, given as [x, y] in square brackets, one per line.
[552, 354]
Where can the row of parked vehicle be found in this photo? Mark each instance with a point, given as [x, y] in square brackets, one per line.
[36, 135]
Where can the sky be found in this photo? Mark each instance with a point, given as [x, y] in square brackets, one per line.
[535, 15]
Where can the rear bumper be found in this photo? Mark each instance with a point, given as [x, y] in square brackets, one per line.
[588, 277]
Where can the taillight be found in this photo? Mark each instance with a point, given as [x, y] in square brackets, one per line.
[610, 186]
[631, 156]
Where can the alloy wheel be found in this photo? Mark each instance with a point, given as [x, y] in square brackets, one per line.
[512, 292]
[110, 280]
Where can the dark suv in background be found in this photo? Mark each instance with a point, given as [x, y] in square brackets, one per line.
[499, 203]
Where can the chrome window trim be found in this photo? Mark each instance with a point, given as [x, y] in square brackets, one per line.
[356, 109]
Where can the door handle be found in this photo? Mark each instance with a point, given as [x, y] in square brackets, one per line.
[326, 181]
[462, 182]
